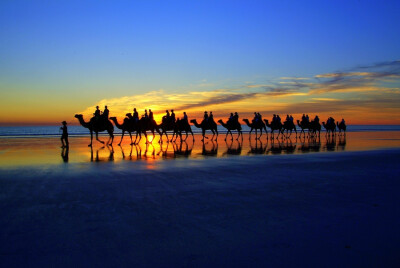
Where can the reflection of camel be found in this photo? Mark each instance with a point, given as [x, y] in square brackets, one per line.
[313, 144]
[312, 127]
[289, 148]
[64, 154]
[127, 126]
[232, 126]
[330, 127]
[342, 143]
[97, 125]
[274, 126]
[341, 126]
[97, 159]
[183, 126]
[259, 125]
[210, 152]
[237, 150]
[276, 148]
[258, 148]
[330, 144]
[185, 152]
[206, 126]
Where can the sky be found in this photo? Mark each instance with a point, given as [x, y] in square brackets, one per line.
[331, 58]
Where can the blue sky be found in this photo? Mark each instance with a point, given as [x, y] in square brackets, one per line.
[84, 51]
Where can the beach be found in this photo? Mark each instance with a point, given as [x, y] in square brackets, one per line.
[286, 203]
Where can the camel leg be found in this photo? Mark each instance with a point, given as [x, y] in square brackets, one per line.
[122, 136]
[226, 135]
[97, 138]
[110, 132]
[91, 138]
[212, 138]
[130, 134]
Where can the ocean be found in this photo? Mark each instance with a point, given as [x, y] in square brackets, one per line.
[37, 131]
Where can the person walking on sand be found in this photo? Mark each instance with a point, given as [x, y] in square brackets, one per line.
[64, 135]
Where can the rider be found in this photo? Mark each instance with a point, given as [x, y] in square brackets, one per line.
[303, 119]
[185, 117]
[236, 118]
[255, 119]
[274, 119]
[135, 115]
[278, 119]
[291, 118]
[307, 119]
[106, 112]
[97, 112]
[287, 118]
[151, 117]
[211, 117]
[172, 116]
[316, 119]
[259, 117]
[230, 120]
[145, 114]
[205, 117]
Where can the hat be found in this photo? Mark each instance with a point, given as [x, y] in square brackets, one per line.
[64, 122]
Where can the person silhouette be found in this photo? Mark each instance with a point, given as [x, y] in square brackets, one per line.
[185, 117]
[97, 112]
[172, 116]
[135, 115]
[230, 120]
[211, 117]
[151, 117]
[106, 112]
[145, 114]
[316, 119]
[205, 117]
[236, 118]
[64, 135]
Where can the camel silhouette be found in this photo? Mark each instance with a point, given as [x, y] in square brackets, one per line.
[289, 126]
[313, 127]
[260, 125]
[341, 126]
[232, 126]
[206, 126]
[97, 125]
[183, 126]
[167, 125]
[143, 125]
[126, 126]
[259, 148]
[274, 126]
[330, 127]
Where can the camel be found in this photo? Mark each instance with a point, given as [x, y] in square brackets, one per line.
[97, 125]
[127, 126]
[341, 126]
[143, 125]
[167, 126]
[289, 126]
[259, 125]
[330, 127]
[206, 126]
[232, 126]
[312, 127]
[274, 126]
[182, 126]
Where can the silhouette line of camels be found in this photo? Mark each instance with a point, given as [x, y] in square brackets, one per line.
[134, 125]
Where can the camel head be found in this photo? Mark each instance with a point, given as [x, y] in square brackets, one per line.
[245, 120]
[220, 121]
[78, 116]
[113, 118]
[128, 115]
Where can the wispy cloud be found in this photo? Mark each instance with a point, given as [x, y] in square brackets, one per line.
[364, 87]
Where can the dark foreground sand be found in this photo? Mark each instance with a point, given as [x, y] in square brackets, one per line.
[314, 210]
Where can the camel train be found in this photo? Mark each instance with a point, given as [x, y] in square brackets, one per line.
[132, 124]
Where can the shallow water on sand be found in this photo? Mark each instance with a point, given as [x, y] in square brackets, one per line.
[17, 152]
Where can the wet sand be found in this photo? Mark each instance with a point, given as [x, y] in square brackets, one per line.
[317, 205]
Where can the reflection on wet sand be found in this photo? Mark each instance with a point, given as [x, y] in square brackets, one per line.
[38, 151]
